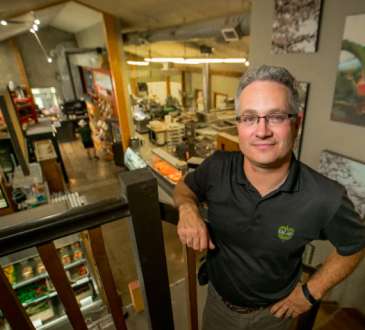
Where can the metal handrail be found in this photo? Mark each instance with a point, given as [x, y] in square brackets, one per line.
[40, 231]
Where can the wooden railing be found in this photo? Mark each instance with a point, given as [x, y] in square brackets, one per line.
[140, 205]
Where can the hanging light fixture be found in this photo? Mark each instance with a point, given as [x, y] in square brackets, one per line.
[37, 21]
[35, 27]
[4, 22]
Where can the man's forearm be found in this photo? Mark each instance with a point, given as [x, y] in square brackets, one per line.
[183, 195]
[335, 269]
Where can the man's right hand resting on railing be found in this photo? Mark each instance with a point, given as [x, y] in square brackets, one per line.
[264, 208]
[191, 228]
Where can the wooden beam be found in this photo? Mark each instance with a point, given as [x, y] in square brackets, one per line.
[168, 85]
[11, 306]
[234, 74]
[134, 80]
[102, 263]
[183, 98]
[21, 66]
[112, 43]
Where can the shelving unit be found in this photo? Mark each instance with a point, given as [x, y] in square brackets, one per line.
[174, 134]
[25, 110]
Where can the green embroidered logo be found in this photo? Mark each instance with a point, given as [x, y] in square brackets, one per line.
[285, 233]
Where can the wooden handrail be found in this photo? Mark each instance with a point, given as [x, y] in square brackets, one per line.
[41, 231]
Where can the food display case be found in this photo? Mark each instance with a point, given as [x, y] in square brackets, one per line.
[133, 161]
[168, 169]
[32, 284]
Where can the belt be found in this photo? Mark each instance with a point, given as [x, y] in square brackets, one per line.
[241, 310]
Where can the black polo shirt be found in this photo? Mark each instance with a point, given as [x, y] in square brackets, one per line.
[260, 241]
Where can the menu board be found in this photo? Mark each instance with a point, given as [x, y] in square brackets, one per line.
[89, 81]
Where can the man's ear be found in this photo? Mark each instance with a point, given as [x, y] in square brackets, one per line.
[298, 122]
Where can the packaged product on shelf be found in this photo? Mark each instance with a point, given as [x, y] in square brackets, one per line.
[64, 255]
[10, 274]
[76, 251]
[40, 266]
[27, 270]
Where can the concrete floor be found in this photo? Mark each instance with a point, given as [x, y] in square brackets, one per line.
[98, 180]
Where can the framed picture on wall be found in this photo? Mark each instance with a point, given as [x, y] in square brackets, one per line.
[295, 26]
[348, 172]
[349, 99]
[219, 98]
[303, 89]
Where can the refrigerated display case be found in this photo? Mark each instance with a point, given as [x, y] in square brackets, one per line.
[133, 161]
[167, 169]
[32, 284]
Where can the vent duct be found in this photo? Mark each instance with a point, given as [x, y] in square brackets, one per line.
[211, 28]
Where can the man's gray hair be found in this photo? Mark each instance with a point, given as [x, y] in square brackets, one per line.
[274, 74]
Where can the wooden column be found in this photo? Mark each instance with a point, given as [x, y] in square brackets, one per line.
[168, 85]
[112, 42]
[183, 99]
[21, 67]
[134, 80]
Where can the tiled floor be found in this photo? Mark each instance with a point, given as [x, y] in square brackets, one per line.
[98, 180]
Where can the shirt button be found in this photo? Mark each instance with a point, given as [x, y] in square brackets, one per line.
[257, 217]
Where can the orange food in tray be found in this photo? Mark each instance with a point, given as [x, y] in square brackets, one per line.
[175, 177]
[164, 168]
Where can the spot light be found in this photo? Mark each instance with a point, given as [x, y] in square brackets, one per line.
[4, 23]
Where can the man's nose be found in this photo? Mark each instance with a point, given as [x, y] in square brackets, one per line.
[262, 128]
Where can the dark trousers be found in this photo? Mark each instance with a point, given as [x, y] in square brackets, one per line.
[217, 316]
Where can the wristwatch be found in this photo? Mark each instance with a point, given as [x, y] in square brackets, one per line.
[308, 295]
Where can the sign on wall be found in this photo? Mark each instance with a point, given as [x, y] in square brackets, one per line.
[295, 26]
[349, 99]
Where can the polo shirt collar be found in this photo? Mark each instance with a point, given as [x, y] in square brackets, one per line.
[291, 183]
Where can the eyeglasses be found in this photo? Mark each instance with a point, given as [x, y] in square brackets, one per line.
[275, 119]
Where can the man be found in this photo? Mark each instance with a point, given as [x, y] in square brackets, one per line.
[264, 207]
[182, 149]
[85, 133]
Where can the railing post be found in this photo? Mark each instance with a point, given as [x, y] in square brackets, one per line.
[145, 225]
[190, 284]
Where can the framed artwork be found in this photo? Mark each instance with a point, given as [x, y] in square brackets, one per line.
[295, 26]
[303, 89]
[350, 173]
[349, 99]
[219, 98]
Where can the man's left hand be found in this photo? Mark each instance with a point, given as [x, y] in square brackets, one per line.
[293, 305]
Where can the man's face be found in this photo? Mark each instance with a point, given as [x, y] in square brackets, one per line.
[266, 145]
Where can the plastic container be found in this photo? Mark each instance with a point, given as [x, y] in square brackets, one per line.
[39, 265]
[76, 251]
[27, 270]
[64, 255]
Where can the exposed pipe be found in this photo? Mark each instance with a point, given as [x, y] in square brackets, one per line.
[206, 87]
[198, 30]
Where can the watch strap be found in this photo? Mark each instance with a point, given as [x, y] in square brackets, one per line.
[308, 295]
